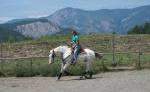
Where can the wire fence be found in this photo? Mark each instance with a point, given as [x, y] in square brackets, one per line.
[31, 59]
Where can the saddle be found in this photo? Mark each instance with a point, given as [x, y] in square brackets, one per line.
[81, 50]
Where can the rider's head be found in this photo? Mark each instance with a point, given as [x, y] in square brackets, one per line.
[74, 32]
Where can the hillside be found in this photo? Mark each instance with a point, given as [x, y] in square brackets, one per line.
[33, 28]
[7, 34]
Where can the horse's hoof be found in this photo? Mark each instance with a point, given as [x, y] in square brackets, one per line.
[81, 78]
[114, 64]
[66, 73]
[86, 77]
[57, 79]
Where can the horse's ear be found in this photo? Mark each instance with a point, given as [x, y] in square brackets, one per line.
[53, 51]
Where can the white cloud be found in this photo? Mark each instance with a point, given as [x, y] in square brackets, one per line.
[5, 19]
[36, 16]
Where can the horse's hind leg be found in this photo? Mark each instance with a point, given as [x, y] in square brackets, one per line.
[88, 70]
[90, 74]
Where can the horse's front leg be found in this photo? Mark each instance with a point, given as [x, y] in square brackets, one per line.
[63, 69]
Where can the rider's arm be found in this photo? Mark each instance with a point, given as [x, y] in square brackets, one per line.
[77, 39]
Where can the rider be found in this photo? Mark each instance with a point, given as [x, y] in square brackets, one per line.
[75, 46]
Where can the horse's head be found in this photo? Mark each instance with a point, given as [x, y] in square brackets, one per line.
[51, 56]
[60, 49]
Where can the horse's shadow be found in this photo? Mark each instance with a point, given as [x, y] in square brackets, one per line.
[79, 79]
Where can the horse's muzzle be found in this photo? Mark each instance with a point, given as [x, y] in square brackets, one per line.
[49, 62]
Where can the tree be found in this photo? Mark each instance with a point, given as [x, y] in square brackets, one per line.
[135, 30]
[143, 29]
[146, 29]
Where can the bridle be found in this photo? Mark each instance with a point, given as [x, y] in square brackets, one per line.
[53, 55]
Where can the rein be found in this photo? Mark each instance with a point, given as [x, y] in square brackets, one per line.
[64, 60]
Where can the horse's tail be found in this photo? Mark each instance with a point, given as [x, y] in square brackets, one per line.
[98, 55]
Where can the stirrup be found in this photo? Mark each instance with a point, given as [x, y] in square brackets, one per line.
[73, 62]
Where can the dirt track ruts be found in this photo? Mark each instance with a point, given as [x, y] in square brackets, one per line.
[127, 81]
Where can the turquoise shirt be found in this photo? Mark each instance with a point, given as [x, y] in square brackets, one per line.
[75, 38]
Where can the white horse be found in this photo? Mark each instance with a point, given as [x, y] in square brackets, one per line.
[88, 56]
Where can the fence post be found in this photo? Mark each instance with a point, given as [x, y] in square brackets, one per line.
[139, 61]
[31, 67]
[113, 47]
[8, 47]
[17, 68]
[39, 66]
[139, 55]
[1, 48]
[1, 61]
[104, 67]
[1, 56]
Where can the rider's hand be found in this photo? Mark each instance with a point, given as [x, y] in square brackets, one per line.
[71, 43]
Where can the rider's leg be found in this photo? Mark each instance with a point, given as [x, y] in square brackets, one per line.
[75, 55]
[72, 53]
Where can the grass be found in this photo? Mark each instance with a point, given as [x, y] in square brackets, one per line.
[40, 67]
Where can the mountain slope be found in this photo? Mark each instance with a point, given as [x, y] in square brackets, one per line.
[34, 28]
[102, 21]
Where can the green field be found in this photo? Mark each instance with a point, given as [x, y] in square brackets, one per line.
[126, 54]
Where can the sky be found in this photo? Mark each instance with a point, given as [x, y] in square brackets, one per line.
[17, 9]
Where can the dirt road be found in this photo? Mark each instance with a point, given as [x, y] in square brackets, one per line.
[127, 81]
